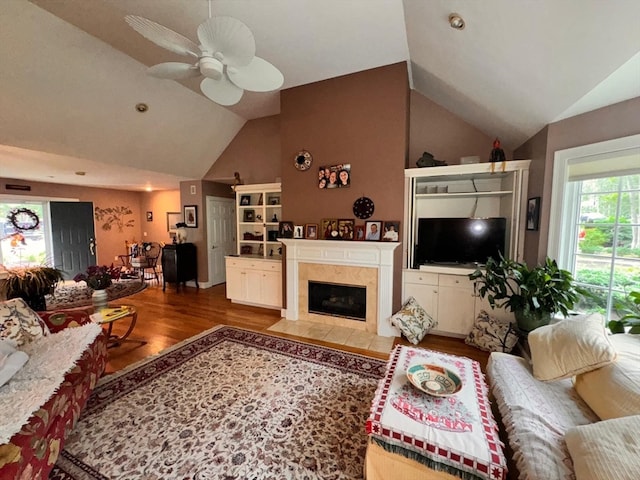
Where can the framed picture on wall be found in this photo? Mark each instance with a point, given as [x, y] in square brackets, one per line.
[533, 213]
[191, 216]
[149, 216]
[172, 219]
[335, 176]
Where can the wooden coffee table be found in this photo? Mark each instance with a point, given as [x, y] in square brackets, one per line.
[114, 340]
[414, 435]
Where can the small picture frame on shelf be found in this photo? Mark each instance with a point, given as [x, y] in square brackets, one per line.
[274, 200]
[285, 229]
[249, 216]
[391, 231]
[298, 231]
[358, 233]
[246, 249]
[328, 229]
[345, 228]
[272, 235]
[372, 231]
[311, 231]
[245, 200]
[191, 216]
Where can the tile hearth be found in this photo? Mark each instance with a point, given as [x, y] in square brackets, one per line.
[334, 334]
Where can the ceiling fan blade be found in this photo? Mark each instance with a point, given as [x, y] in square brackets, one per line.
[230, 37]
[163, 36]
[221, 91]
[173, 70]
[258, 76]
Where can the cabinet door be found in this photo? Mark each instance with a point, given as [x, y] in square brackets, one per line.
[456, 310]
[425, 295]
[253, 286]
[272, 289]
[236, 283]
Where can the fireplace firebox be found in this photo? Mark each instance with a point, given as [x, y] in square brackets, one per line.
[347, 301]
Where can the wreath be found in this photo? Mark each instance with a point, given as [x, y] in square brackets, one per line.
[24, 219]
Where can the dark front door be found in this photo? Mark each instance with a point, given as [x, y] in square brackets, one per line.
[73, 236]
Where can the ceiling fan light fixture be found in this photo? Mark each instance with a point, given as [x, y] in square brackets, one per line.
[211, 68]
[456, 21]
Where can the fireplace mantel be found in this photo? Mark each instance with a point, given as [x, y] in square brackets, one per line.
[346, 253]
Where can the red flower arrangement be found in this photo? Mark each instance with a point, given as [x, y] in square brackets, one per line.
[99, 277]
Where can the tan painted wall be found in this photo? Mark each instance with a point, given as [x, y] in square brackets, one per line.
[109, 243]
[435, 130]
[254, 153]
[159, 203]
[614, 121]
[360, 119]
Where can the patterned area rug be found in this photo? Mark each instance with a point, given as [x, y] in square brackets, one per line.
[70, 295]
[228, 404]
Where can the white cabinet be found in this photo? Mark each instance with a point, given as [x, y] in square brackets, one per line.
[259, 210]
[254, 282]
[449, 296]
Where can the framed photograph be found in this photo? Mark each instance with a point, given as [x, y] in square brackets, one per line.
[346, 227]
[311, 231]
[533, 213]
[391, 231]
[372, 231]
[335, 176]
[285, 229]
[172, 219]
[245, 200]
[249, 215]
[298, 231]
[358, 233]
[328, 229]
[149, 216]
[274, 200]
[191, 216]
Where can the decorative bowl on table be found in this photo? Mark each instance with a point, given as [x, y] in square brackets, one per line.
[434, 379]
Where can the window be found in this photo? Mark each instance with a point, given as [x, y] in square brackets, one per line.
[22, 248]
[595, 220]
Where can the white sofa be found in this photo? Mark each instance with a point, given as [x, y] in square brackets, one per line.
[578, 427]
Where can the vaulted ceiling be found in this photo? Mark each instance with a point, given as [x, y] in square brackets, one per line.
[72, 71]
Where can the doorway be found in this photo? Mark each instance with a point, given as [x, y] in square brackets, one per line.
[221, 236]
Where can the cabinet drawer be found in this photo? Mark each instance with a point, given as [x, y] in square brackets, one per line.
[458, 281]
[253, 264]
[421, 277]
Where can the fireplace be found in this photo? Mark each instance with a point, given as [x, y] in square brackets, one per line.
[347, 301]
[367, 265]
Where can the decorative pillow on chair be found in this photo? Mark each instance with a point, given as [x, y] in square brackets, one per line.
[492, 335]
[19, 324]
[413, 321]
[570, 347]
[606, 450]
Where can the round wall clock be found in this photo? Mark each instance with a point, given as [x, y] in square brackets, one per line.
[24, 219]
[303, 160]
[363, 208]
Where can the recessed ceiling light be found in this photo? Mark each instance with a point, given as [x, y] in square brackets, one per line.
[456, 21]
[148, 189]
[81, 173]
[142, 107]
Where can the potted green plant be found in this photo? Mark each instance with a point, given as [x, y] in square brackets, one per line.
[631, 317]
[532, 294]
[31, 284]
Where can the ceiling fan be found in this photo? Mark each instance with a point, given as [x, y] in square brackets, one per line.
[225, 57]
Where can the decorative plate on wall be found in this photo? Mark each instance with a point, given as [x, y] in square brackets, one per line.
[302, 160]
[363, 208]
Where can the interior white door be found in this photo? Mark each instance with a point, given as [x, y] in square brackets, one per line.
[221, 235]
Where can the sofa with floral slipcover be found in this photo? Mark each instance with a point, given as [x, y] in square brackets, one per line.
[41, 401]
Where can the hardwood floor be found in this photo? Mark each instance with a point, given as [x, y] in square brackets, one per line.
[167, 318]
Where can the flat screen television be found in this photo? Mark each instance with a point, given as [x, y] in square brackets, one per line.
[459, 240]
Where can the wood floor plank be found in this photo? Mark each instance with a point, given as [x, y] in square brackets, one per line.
[167, 318]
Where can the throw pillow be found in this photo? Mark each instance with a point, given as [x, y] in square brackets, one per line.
[19, 324]
[613, 391]
[491, 335]
[607, 450]
[11, 360]
[413, 321]
[570, 347]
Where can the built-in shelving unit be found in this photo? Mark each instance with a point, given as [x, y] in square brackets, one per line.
[259, 210]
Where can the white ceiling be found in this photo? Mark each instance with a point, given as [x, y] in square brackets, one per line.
[72, 71]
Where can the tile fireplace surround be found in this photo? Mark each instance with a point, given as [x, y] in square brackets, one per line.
[376, 257]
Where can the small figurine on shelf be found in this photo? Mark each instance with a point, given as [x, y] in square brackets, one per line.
[275, 218]
[497, 155]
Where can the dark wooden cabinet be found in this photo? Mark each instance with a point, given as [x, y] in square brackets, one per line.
[179, 264]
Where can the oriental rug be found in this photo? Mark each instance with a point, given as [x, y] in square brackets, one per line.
[70, 295]
[228, 404]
